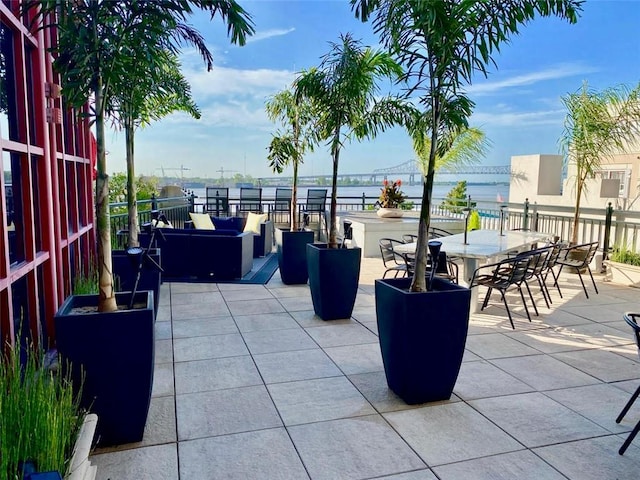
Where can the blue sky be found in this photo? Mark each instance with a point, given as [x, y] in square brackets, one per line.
[518, 106]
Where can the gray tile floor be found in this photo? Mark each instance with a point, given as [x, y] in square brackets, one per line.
[249, 384]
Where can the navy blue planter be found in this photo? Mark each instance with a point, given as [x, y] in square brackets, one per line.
[292, 255]
[115, 353]
[333, 279]
[126, 272]
[422, 337]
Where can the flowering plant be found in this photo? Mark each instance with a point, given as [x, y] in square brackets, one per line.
[391, 196]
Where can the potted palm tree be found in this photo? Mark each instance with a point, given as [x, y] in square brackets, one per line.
[147, 95]
[288, 148]
[343, 94]
[423, 333]
[597, 125]
[115, 347]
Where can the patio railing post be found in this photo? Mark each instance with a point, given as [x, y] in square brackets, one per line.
[525, 214]
[154, 202]
[607, 231]
[192, 202]
[364, 201]
[535, 216]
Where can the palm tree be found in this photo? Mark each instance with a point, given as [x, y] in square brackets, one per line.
[597, 125]
[461, 147]
[102, 28]
[145, 97]
[442, 43]
[343, 92]
[289, 146]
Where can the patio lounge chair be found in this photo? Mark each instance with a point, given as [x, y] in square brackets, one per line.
[631, 319]
[217, 201]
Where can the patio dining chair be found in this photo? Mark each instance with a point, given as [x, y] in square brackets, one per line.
[250, 200]
[393, 261]
[631, 319]
[282, 204]
[578, 257]
[316, 205]
[502, 276]
[217, 201]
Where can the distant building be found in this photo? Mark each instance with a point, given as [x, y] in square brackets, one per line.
[46, 191]
[539, 178]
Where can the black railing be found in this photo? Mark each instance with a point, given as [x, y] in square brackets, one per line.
[611, 228]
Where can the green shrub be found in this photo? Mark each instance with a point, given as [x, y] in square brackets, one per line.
[39, 414]
[622, 255]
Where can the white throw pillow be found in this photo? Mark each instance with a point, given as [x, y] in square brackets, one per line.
[202, 221]
[253, 222]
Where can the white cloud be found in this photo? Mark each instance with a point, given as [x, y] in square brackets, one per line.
[222, 81]
[266, 34]
[518, 119]
[552, 73]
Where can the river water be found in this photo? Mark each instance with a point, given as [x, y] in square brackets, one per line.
[486, 195]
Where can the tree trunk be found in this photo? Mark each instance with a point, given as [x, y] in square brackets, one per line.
[294, 198]
[333, 229]
[576, 213]
[132, 200]
[106, 294]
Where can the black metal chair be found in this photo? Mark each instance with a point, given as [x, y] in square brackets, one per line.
[250, 200]
[537, 267]
[409, 238]
[217, 201]
[282, 204]
[502, 276]
[586, 253]
[631, 319]
[316, 205]
[393, 261]
[435, 232]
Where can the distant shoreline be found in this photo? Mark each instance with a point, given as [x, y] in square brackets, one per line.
[192, 185]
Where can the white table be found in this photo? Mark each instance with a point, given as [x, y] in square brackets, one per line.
[481, 245]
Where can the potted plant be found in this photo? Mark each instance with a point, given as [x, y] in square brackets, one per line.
[391, 198]
[623, 267]
[109, 356]
[43, 427]
[116, 351]
[343, 93]
[286, 148]
[597, 125]
[441, 44]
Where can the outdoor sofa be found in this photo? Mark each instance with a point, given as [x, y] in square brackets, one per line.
[204, 254]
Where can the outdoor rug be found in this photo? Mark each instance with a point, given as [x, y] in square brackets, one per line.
[261, 272]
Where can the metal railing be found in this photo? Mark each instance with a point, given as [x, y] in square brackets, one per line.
[610, 228]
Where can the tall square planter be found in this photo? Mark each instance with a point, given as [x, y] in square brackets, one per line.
[126, 271]
[292, 255]
[333, 279]
[422, 337]
[111, 355]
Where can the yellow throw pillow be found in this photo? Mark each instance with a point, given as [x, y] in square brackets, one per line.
[202, 221]
[253, 222]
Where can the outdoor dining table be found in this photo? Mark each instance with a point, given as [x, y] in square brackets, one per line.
[481, 245]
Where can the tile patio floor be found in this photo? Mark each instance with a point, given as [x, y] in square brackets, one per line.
[250, 385]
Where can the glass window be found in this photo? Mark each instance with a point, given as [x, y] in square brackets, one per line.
[8, 109]
[35, 191]
[31, 111]
[14, 217]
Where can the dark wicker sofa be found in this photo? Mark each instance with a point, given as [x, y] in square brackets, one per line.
[213, 254]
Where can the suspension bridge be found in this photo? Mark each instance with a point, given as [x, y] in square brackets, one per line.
[409, 170]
